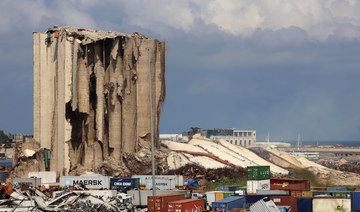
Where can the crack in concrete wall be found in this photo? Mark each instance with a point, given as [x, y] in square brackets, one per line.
[91, 95]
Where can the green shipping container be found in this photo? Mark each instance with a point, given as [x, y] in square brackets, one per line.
[228, 194]
[258, 172]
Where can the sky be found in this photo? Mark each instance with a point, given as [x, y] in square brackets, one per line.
[275, 66]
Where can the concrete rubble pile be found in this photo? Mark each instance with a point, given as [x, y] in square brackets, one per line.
[23, 198]
[91, 97]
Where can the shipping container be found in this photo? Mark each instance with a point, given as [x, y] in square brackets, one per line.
[229, 203]
[139, 197]
[304, 204]
[289, 184]
[307, 194]
[332, 189]
[124, 183]
[273, 192]
[159, 203]
[322, 194]
[251, 199]
[3, 176]
[238, 210]
[285, 201]
[219, 196]
[46, 177]
[210, 197]
[319, 188]
[228, 194]
[355, 201]
[187, 205]
[228, 188]
[332, 204]
[344, 194]
[35, 182]
[296, 193]
[284, 208]
[91, 181]
[254, 185]
[258, 172]
[262, 206]
[163, 182]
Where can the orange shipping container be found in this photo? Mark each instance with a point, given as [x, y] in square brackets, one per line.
[160, 203]
[219, 196]
[187, 205]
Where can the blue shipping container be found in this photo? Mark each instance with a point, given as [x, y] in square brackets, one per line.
[228, 188]
[3, 176]
[124, 183]
[355, 201]
[336, 189]
[229, 203]
[305, 204]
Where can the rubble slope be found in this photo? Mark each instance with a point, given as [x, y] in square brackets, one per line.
[223, 150]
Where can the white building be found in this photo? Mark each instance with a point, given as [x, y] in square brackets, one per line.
[237, 137]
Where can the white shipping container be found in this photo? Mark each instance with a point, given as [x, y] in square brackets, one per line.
[163, 182]
[46, 177]
[210, 198]
[261, 206]
[253, 185]
[35, 182]
[90, 181]
[330, 205]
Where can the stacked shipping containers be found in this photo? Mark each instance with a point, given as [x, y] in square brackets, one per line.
[258, 177]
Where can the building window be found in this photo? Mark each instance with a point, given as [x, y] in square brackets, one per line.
[231, 141]
[249, 142]
[240, 142]
[235, 142]
[244, 143]
[249, 133]
[235, 134]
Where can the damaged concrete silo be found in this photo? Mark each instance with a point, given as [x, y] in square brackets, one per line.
[91, 94]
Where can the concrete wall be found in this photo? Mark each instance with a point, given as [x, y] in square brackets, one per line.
[91, 94]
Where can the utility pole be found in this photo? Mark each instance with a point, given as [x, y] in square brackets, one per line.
[151, 129]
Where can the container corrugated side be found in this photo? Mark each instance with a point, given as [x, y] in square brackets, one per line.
[355, 201]
[286, 201]
[228, 188]
[3, 176]
[160, 203]
[228, 194]
[219, 196]
[307, 194]
[46, 177]
[289, 184]
[163, 182]
[210, 197]
[123, 183]
[261, 206]
[336, 189]
[92, 181]
[186, 205]
[254, 185]
[272, 192]
[332, 204]
[229, 203]
[304, 204]
[251, 199]
[29, 181]
[258, 172]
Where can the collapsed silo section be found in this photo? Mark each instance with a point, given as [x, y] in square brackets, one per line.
[91, 95]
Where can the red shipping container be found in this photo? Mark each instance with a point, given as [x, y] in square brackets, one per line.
[296, 193]
[285, 201]
[289, 184]
[160, 203]
[187, 205]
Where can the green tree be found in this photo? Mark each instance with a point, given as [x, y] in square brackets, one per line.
[3, 137]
